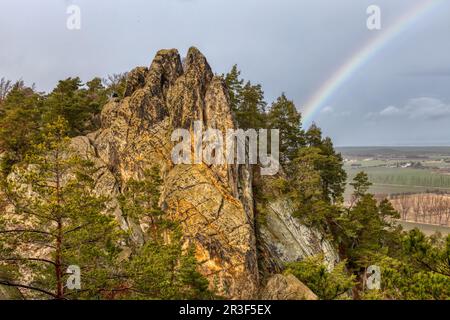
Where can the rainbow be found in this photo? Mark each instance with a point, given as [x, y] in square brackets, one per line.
[318, 100]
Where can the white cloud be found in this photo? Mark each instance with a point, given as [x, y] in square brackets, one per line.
[390, 111]
[423, 108]
[327, 110]
[429, 108]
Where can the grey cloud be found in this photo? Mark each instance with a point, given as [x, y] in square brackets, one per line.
[288, 46]
[423, 108]
[434, 72]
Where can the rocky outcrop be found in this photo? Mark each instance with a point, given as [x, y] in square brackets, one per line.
[214, 204]
[286, 287]
[284, 239]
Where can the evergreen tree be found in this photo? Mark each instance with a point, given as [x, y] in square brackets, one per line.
[326, 284]
[283, 115]
[76, 104]
[367, 228]
[361, 185]
[96, 96]
[161, 268]
[19, 124]
[422, 272]
[329, 165]
[56, 221]
[427, 253]
[247, 101]
[304, 188]
[235, 86]
[250, 113]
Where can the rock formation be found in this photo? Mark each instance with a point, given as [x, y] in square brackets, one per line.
[214, 204]
[286, 287]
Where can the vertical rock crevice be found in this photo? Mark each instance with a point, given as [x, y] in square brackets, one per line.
[214, 204]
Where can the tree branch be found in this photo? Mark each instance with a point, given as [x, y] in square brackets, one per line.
[27, 231]
[28, 259]
[18, 285]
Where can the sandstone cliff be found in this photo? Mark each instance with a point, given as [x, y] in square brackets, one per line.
[213, 203]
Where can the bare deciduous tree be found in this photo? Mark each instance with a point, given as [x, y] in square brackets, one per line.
[114, 82]
[5, 87]
[432, 208]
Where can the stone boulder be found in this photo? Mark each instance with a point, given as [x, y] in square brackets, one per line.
[286, 287]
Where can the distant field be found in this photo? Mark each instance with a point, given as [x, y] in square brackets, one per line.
[381, 164]
[400, 170]
[424, 178]
[383, 189]
[395, 152]
[428, 229]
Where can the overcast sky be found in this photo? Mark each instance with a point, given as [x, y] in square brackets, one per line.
[400, 97]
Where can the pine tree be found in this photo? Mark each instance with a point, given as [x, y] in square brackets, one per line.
[250, 113]
[56, 220]
[19, 124]
[304, 188]
[77, 104]
[361, 185]
[326, 284]
[283, 115]
[420, 273]
[161, 268]
[247, 101]
[329, 164]
[235, 86]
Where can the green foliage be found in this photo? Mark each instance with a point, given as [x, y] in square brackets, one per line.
[19, 124]
[76, 104]
[316, 182]
[58, 220]
[235, 85]
[329, 164]
[401, 280]
[283, 115]
[247, 101]
[366, 228]
[140, 201]
[61, 217]
[428, 253]
[361, 185]
[24, 113]
[326, 284]
[161, 268]
[426, 178]
[305, 189]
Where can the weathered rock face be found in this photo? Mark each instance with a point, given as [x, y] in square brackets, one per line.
[286, 287]
[284, 239]
[214, 204]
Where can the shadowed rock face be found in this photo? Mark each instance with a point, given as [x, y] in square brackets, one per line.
[208, 201]
[286, 287]
[214, 204]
